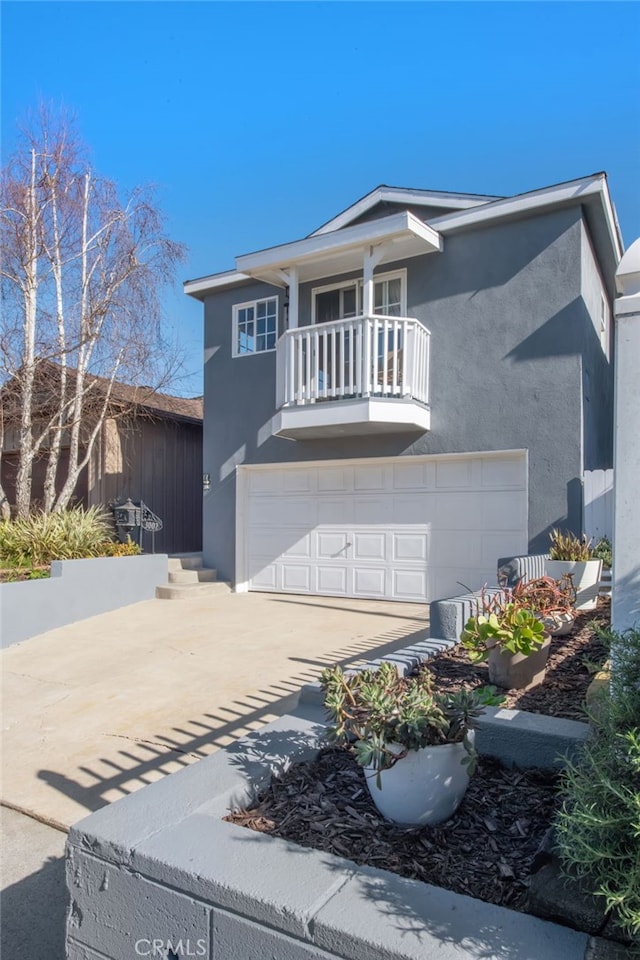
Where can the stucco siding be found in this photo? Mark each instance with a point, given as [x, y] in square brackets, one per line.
[597, 370]
[506, 315]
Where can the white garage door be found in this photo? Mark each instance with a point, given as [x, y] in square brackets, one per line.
[406, 528]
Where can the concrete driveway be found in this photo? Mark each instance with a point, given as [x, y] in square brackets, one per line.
[94, 710]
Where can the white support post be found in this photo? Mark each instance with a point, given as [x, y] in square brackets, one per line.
[625, 591]
[371, 260]
[292, 275]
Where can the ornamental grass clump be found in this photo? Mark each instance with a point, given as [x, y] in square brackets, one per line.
[566, 546]
[598, 826]
[38, 539]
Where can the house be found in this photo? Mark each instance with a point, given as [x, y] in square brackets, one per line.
[149, 448]
[410, 392]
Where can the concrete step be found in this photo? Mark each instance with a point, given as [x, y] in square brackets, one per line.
[191, 591]
[204, 575]
[185, 561]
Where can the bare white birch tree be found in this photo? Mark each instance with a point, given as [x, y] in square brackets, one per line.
[82, 273]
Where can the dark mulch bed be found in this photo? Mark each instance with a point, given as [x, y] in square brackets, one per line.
[570, 668]
[485, 850]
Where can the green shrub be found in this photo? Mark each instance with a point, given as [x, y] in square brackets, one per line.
[598, 827]
[114, 548]
[41, 538]
[603, 551]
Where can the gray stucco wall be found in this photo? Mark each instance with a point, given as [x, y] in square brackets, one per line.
[597, 369]
[77, 589]
[504, 306]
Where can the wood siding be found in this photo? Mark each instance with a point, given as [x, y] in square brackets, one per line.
[159, 462]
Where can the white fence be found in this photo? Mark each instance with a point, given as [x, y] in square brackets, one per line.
[362, 356]
[598, 503]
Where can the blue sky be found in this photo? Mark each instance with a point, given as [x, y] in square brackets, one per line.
[259, 121]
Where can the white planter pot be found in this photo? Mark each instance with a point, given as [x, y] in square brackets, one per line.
[585, 575]
[425, 787]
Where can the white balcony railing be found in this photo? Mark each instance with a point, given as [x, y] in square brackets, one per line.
[374, 356]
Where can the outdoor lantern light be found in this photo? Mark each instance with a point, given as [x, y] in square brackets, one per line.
[127, 514]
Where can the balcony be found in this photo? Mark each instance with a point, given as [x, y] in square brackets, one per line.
[364, 375]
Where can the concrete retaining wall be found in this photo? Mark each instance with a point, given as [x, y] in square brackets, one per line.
[77, 589]
[161, 871]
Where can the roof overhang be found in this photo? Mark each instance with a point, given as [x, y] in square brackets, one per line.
[397, 237]
[202, 285]
[592, 193]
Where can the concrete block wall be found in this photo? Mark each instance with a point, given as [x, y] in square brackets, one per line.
[77, 589]
[159, 873]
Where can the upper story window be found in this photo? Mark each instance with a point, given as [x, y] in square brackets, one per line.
[255, 326]
[339, 301]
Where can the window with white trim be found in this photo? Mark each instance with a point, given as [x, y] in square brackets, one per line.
[339, 301]
[255, 326]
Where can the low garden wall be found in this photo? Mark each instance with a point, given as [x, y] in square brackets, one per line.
[160, 870]
[77, 589]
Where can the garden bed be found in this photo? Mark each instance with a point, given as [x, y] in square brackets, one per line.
[573, 660]
[487, 849]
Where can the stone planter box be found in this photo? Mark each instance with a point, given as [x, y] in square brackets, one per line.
[161, 870]
[77, 589]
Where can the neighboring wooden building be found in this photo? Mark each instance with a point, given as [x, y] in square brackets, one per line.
[152, 453]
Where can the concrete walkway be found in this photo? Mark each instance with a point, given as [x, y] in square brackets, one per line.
[95, 710]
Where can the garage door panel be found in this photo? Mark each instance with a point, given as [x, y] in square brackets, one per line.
[454, 474]
[273, 511]
[332, 511]
[370, 510]
[409, 476]
[409, 585]
[503, 510]
[264, 575]
[335, 480]
[409, 510]
[369, 478]
[280, 542]
[331, 545]
[296, 577]
[404, 529]
[449, 547]
[332, 579]
[409, 546]
[369, 546]
[454, 511]
[502, 473]
[369, 582]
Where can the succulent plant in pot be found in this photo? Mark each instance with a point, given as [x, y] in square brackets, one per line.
[553, 602]
[511, 638]
[416, 745]
[574, 556]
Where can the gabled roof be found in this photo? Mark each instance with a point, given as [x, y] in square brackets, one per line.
[403, 195]
[466, 210]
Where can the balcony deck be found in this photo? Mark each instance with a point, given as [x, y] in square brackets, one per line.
[363, 375]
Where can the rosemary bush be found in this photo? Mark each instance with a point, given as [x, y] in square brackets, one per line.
[598, 826]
